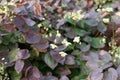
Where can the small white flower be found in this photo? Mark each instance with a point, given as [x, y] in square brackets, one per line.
[108, 9]
[106, 20]
[118, 14]
[53, 46]
[58, 34]
[63, 54]
[3, 59]
[76, 39]
[65, 42]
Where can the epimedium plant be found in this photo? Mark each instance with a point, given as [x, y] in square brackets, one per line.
[59, 40]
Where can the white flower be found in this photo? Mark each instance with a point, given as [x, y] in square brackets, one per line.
[58, 34]
[63, 54]
[76, 39]
[3, 59]
[106, 20]
[65, 42]
[118, 14]
[108, 9]
[53, 46]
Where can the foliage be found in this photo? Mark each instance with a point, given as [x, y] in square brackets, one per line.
[59, 40]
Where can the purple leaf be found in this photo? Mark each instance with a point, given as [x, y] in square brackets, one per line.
[60, 48]
[105, 56]
[19, 66]
[32, 37]
[20, 24]
[70, 60]
[96, 75]
[63, 71]
[64, 78]
[111, 74]
[118, 71]
[36, 72]
[23, 54]
[43, 44]
[60, 23]
[50, 61]
[29, 21]
[57, 57]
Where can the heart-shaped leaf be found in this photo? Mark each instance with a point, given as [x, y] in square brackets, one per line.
[111, 74]
[32, 37]
[96, 75]
[64, 78]
[19, 66]
[84, 47]
[13, 55]
[50, 61]
[57, 57]
[98, 42]
[23, 54]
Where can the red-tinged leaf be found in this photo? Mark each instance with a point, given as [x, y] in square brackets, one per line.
[43, 44]
[24, 78]
[64, 78]
[32, 37]
[70, 60]
[9, 27]
[23, 54]
[20, 24]
[63, 71]
[37, 9]
[111, 74]
[36, 72]
[57, 57]
[19, 66]
[33, 73]
[117, 32]
[90, 3]
[96, 75]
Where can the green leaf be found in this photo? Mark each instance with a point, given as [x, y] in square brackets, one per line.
[80, 32]
[14, 75]
[76, 52]
[85, 47]
[80, 24]
[13, 55]
[98, 42]
[91, 22]
[102, 28]
[70, 20]
[50, 61]
[87, 39]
